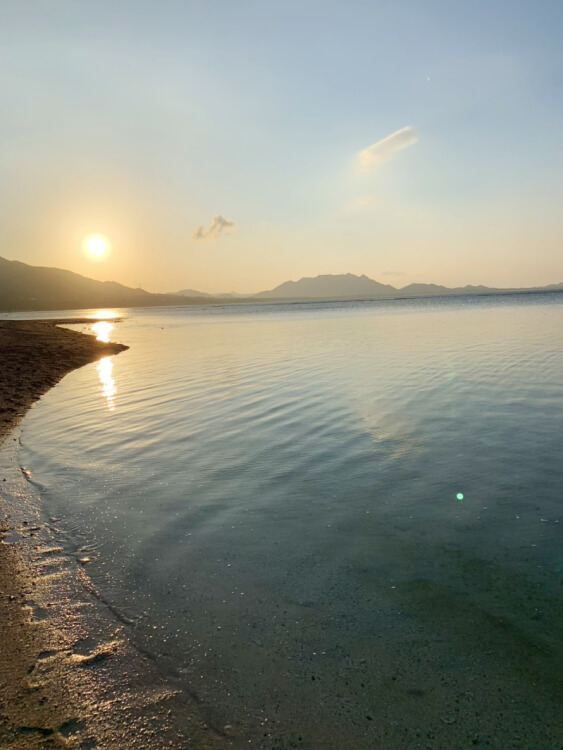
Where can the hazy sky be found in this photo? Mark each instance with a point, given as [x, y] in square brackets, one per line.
[234, 144]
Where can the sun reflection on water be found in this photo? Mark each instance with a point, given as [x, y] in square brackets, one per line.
[107, 382]
[102, 329]
[103, 315]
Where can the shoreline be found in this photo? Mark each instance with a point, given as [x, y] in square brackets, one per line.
[70, 676]
[36, 355]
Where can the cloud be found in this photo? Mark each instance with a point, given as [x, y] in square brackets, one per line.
[218, 225]
[394, 273]
[383, 150]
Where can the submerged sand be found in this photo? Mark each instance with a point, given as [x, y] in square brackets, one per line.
[69, 675]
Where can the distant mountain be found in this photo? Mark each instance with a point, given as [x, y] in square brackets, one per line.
[345, 285]
[436, 289]
[349, 286]
[24, 287]
[425, 289]
[223, 295]
[191, 293]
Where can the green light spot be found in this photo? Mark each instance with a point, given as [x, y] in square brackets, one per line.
[459, 495]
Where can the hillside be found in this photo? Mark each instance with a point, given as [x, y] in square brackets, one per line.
[435, 289]
[344, 285]
[349, 286]
[222, 295]
[191, 293]
[24, 287]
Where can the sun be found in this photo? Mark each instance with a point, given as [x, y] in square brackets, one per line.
[96, 246]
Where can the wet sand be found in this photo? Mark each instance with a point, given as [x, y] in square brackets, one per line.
[69, 675]
[35, 356]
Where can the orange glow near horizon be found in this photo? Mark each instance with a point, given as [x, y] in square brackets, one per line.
[103, 315]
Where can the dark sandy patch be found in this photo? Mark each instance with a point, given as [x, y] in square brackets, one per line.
[35, 355]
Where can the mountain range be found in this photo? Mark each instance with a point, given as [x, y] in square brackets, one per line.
[349, 286]
[25, 287]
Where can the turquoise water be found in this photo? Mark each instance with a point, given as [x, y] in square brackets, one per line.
[339, 525]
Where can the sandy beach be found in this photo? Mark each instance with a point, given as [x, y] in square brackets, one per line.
[69, 675]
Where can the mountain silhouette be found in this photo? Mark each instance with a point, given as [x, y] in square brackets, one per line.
[327, 286]
[25, 287]
[349, 286]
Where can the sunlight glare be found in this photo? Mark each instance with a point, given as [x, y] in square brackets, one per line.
[102, 329]
[103, 315]
[96, 246]
[107, 382]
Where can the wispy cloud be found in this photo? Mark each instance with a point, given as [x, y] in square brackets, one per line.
[383, 150]
[218, 225]
[394, 273]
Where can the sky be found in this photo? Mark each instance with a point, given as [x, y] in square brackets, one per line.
[231, 145]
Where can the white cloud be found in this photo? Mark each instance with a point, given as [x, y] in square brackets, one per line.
[383, 150]
[218, 225]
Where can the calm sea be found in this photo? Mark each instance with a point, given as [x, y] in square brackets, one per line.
[339, 524]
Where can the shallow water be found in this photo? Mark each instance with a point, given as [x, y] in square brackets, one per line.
[337, 524]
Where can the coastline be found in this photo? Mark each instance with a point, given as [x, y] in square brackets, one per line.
[35, 356]
[70, 675]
